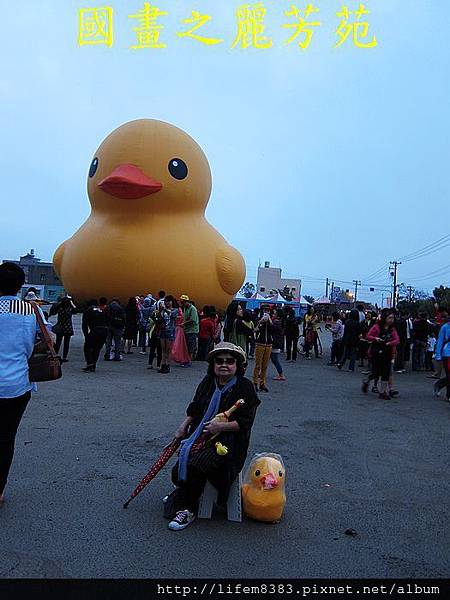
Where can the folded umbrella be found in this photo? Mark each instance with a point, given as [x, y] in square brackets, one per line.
[171, 448]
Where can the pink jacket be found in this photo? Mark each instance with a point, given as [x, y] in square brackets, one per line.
[374, 332]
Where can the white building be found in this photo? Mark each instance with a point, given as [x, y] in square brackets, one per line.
[270, 280]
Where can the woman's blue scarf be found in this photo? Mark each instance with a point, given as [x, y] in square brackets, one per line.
[211, 412]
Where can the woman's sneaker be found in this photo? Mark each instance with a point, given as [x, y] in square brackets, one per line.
[181, 520]
[375, 390]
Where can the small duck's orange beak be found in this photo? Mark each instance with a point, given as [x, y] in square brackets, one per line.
[269, 481]
[128, 181]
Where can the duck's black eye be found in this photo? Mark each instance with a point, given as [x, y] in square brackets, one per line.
[280, 473]
[178, 168]
[93, 167]
[257, 472]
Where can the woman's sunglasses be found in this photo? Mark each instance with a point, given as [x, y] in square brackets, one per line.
[225, 361]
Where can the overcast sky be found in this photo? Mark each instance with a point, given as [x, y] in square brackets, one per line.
[326, 162]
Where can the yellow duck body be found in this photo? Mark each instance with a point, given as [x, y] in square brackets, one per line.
[264, 497]
[149, 185]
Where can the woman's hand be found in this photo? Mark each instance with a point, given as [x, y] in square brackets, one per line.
[213, 427]
[180, 432]
[182, 429]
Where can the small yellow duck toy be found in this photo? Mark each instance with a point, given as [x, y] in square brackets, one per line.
[221, 449]
[263, 493]
[149, 184]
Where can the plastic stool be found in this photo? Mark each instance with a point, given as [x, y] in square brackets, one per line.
[234, 503]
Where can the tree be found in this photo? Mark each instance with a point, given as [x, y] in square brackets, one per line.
[442, 295]
[309, 299]
[248, 289]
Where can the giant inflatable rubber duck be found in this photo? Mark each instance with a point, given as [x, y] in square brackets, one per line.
[263, 493]
[149, 184]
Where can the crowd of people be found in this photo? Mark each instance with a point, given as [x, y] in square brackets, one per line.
[175, 330]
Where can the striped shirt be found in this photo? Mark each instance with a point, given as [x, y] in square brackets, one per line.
[18, 328]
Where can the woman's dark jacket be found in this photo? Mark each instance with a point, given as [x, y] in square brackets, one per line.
[291, 326]
[277, 335]
[236, 441]
[264, 333]
[352, 331]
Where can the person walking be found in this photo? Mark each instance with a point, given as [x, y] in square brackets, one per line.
[277, 343]
[337, 333]
[154, 341]
[442, 353]
[166, 315]
[383, 338]
[310, 325]
[421, 329]
[292, 333]
[247, 320]
[94, 325]
[263, 349]
[131, 324]
[63, 329]
[18, 329]
[350, 340]
[401, 326]
[191, 325]
[116, 325]
[207, 330]
[240, 331]
[144, 323]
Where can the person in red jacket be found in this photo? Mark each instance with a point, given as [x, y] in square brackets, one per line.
[207, 330]
[383, 339]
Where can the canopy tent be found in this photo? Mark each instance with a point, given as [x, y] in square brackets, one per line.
[322, 300]
[304, 301]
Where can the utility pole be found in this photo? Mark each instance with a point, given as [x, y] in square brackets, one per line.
[356, 282]
[332, 291]
[326, 289]
[410, 289]
[395, 263]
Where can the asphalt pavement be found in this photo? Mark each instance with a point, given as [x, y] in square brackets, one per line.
[380, 468]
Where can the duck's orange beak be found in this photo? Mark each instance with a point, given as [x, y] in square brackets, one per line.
[269, 481]
[128, 181]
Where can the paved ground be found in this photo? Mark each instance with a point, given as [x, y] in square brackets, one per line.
[353, 461]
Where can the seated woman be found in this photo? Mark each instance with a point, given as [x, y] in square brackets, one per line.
[222, 387]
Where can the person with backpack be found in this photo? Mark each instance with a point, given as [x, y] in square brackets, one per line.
[116, 327]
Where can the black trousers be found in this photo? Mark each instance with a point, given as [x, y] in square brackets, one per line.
[11, 412]
[400, 357]
[203, 348]
[189, 491]
[59, 338]
[93, 344]
[291, 346]
[155, 349]
[336, 351]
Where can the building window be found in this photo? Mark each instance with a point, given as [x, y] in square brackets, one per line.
[42, 276]
[263, 289]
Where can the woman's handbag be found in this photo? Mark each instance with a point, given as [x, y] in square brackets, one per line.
[44, 364]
